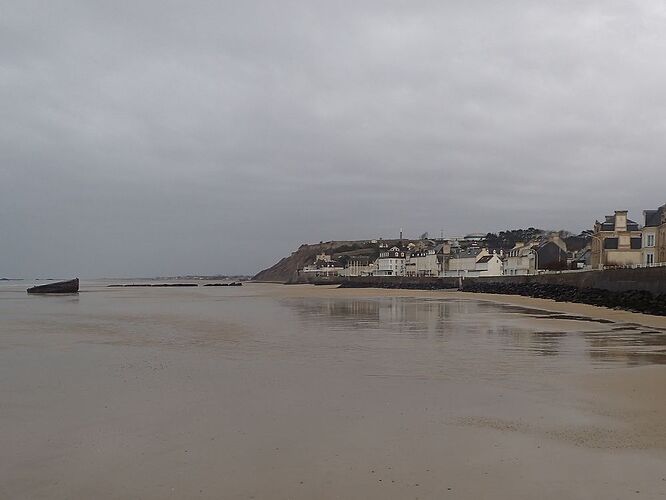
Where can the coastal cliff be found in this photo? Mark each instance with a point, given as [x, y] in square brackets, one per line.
[286, 270]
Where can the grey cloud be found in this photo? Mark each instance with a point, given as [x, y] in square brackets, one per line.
[144, 138]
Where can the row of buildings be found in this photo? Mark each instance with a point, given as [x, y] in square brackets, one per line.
[458, 259]
[615, 242]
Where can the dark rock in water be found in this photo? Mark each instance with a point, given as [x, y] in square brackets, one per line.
[234, 283]
[71, 286]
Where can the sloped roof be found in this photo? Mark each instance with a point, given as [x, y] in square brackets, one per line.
[468, 253]
[610, 225]
[652, 218]
[576, 243]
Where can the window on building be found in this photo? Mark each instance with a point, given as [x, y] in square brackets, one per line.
[650, 240]
[611, 243]
[649, 259]
[636, 243]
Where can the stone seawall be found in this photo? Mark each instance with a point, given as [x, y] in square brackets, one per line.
[650, 279]
[639, 290]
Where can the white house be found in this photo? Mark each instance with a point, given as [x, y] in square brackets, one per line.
[521, 260]
[391, 262]
[422, 263]
[463, 262]
[490, 265]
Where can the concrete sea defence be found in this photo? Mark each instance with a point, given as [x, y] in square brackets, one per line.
[69, 286]
[649, 279]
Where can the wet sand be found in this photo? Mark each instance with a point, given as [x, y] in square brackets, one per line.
[271, 391]
[619, 316]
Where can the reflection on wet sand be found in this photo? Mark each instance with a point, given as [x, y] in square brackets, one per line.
[304, 392]
[439, 318]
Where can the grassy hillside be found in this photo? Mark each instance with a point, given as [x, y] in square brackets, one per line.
[286, 269]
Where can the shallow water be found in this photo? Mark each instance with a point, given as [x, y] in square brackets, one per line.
[455, 334]
[267, 392]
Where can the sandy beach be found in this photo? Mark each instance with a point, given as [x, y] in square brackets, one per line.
[591, 311]
[286, 392]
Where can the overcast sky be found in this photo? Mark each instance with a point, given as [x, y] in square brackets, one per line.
[142, 138]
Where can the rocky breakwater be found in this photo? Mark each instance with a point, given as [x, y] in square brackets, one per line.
[407, 283]
[632, 300]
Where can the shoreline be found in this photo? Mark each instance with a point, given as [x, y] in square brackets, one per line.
[574, 308]
[597, 312]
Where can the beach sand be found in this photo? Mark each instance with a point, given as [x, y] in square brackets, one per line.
[331, 291]
[314, 392]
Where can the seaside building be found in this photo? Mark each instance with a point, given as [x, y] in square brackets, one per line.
[521, 260]
[654, 236]
[661, 236]
[422, 263]
[323, 269]
[323, 266]
[617, 241]
[359, 266]
[578, 252]
[650, 234]
[552, 255]
[473, 262]
[462, 262]
[391, 262]
[581, 259]
[443, 253]
[490, 265]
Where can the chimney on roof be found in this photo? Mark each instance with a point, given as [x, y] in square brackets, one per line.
[621, 220]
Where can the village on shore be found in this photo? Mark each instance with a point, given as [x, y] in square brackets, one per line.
[615, 242]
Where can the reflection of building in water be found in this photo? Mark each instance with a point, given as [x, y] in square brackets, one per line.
[414, 314]
[480, 339]
[632, 346]
[397, 314]
[360, 309]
